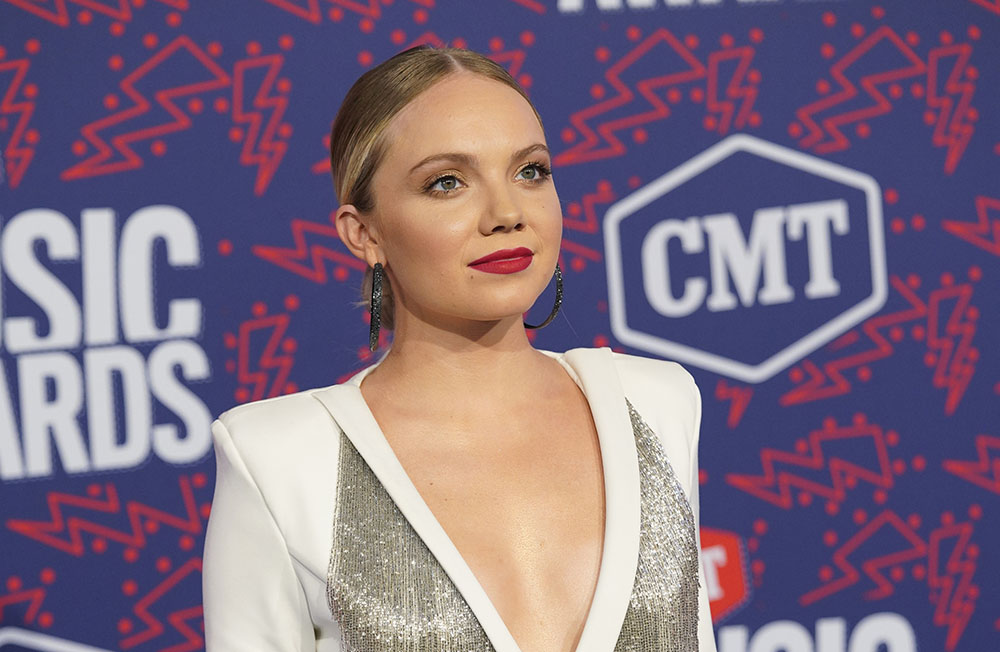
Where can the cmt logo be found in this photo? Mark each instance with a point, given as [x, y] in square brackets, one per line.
[745, 258]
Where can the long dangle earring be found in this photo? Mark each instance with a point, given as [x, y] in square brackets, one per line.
[376, 307]
[558, 303]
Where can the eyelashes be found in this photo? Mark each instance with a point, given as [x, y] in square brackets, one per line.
[544, 171]
[442, 179]
[450, 182]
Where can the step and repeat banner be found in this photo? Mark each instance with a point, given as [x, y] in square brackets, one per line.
[799, 200]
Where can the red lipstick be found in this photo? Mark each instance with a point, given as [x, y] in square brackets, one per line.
[504, 261]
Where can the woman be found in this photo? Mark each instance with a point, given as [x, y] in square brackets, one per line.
[468, 492]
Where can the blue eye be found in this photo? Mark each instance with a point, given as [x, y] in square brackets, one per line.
[444, 184]
[534, 172]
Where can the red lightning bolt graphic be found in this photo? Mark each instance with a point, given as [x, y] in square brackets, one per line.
[154, 627]
[70, 527]
[533, 5]
[983, 472]
[581, 254]
[950, 567]
[738, 395]
[258, 372]
[58, 13]
[951, 346]
[589, 224]
[784, 470]
[308, 257]
[663, 46]
[261, 146]
[735, 91]
[950, 578]
[590, 201]
[322, 166]
[309, 9]
[116, 9]
[910, 66]
[101, 162]
[991, 5]
[911, 547]
[33, 597]
[512, 60]
[985, 232]
[952, 129]
[17, 156]
[952, 342]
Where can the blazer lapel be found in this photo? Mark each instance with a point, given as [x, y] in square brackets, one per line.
[348, 408]
[598, 377]
[620, 558]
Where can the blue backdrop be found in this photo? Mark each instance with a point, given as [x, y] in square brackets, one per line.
[798, 200]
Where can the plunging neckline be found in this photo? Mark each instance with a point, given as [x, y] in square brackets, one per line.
[599, 382]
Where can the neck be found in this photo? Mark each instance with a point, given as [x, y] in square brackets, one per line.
[478, 359]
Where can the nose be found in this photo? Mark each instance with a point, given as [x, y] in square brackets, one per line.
[503, 211]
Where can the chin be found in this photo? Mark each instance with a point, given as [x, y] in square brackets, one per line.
[513, 303]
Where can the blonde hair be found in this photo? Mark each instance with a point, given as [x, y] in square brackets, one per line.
[357, 146]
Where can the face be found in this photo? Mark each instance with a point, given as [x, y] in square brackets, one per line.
[466, 175]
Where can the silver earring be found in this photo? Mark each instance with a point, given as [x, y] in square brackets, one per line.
[558, 304]
[376, 307]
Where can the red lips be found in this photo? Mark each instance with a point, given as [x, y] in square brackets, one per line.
[504, 261]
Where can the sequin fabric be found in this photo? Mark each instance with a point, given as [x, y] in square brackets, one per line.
[390, 594]
[384, 586]
[663, 610]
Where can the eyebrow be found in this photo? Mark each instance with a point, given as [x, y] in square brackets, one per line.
[470, 160]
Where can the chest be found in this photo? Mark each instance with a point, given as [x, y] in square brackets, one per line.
[523, 502]
[395, 584]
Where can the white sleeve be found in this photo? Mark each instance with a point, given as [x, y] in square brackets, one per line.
[252, 597]
[706, 634]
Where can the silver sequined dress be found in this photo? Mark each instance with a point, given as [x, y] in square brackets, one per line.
[389, 578]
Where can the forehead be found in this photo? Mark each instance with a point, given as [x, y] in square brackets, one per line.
[464, 112]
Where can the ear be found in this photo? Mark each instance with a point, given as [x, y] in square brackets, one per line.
[357, 234]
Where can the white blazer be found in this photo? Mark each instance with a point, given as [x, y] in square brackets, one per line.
[269, 538]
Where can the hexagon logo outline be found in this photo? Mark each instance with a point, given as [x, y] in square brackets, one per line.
[803, 346]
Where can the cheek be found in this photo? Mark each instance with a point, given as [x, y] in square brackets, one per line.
[552, 220]
[425, 240]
